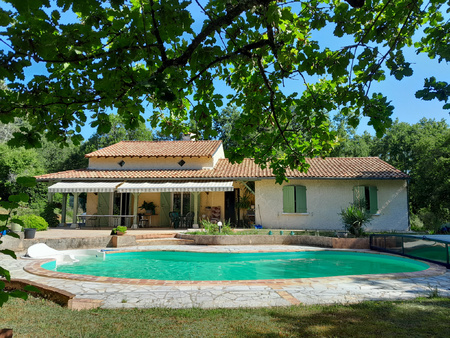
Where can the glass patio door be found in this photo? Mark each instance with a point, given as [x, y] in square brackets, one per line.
[181, 202]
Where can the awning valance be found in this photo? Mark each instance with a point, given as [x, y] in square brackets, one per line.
[175, 186]
[71, 187]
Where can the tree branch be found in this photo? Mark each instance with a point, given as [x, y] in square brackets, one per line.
[213, 26]
[242, 50]
[272, 106]
[160, 44]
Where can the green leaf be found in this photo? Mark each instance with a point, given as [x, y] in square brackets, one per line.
[4, 296]
[9, 253]
[13, 234]
[32, 288]
[21, 197]
[27, 181]
[19, 294]
[5, 273]
[55, 17]
[5, 18]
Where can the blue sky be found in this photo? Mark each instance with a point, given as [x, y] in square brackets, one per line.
[400, 93]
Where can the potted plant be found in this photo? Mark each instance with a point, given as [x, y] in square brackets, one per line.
[119, 230]
[31, 224]
[149, 207]
[16, 227]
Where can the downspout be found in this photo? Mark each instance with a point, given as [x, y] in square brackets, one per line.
[407, 203]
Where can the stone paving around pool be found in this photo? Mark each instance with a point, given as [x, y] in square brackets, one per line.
[100, 292]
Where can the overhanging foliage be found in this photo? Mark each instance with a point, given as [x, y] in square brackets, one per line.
[182, 57]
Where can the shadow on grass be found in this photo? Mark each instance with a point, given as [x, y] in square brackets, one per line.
[421, 317]
[418, 318]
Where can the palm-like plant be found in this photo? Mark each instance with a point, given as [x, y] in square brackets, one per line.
[354, 219]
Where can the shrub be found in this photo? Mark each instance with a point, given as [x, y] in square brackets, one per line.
[33, 221]
[416, 223]
[50, 215]
[354, 219]
[120, 228]
[430, 220]
[213, 229]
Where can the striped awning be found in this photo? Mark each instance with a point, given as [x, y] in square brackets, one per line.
[175, 186]
[71, 187]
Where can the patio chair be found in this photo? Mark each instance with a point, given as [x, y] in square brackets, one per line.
[143, 221]
[189, 219]
[92, 221]
[174, 219]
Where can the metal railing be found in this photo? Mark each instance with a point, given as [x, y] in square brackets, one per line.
[422, 247]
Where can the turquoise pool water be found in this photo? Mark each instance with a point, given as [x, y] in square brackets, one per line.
[175, 265]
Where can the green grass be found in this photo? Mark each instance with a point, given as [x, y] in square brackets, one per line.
[418, 318]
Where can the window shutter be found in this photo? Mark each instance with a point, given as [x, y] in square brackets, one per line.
[103, 207]
[288, 199]
[359, 198]
[373, 200]
[300, 199]
[165, 209]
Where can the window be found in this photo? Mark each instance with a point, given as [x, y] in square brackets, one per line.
[366, 197]
[294, 199]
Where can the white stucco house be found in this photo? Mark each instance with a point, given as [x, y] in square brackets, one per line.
[194, 176]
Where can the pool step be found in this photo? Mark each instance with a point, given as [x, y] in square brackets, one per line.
[155, 236]
[164, 241]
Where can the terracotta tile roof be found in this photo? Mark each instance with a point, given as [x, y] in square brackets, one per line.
[158, 149]
[331, 167]
[335, 168]
[125, 174]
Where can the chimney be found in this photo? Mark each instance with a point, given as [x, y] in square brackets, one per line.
[188, 137]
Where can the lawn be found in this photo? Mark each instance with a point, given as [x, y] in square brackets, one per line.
[418, 318]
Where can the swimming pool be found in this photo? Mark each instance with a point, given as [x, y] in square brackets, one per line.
[196, 266]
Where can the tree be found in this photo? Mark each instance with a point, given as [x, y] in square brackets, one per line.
[118, 133]
[15, 162]
[179, 56]
[225, 126]
[350, 144]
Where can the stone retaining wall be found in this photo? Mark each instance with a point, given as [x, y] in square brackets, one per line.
[320, 241]
[21, 244]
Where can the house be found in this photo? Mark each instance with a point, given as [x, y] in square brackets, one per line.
[195, 176]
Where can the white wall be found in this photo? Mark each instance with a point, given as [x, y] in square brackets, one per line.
[219, 154]
[325, 199]
[136, 163]
[142, 163]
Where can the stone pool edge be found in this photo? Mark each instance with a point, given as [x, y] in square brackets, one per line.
[34, 267]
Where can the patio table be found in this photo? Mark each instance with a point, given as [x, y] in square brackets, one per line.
[115, 219]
